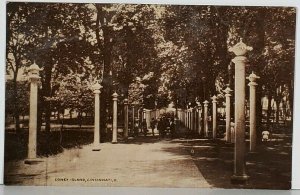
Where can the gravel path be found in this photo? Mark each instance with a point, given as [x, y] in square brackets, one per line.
[155, 164]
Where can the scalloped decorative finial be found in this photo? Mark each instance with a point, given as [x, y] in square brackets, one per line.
[34, 69]
[97, 85]
[240, 48]
[252, 77]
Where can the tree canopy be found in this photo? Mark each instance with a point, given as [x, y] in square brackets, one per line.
[179, 52]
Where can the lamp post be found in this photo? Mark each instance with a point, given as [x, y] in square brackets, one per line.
[214, 103]
[240, 49]
[199, 118]
[115, 109]
[97, 92]
[205, 118]
[34, 77]
[133, 118]
[125, 118]
[252, 84]
[228, 115]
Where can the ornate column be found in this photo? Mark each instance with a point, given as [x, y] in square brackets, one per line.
[115, 110]
[125, 118]
[228, 130]
[205, 118]
[34, 78]
[232, 130]
[144, 114]
[214, 103]
[184, 119]
[132, 126]
[199, 119]
[240, 49]
[252, 78]
[97, 92]
[195, 119]
[190, 119]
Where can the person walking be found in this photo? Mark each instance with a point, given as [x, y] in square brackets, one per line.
[136, 128]
[160, 127]
[152, 125]
[144, 127]
[172, 128]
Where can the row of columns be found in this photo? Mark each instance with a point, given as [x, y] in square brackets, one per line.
[189, 118]
[240, 61]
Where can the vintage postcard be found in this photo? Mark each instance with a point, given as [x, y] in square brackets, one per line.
[149, 95]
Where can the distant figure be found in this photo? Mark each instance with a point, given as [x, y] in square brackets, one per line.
[144, 127]
[152, 125]
[265, 136]
[136, 128]
[166, 126]
[160, 127]
[172, 128]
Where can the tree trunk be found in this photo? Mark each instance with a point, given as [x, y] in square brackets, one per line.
[257, 67]
[291, 98]
[39, 113]
[61, 127]
[105, 49]
[79, 117]
[47, 94]
[16, 105]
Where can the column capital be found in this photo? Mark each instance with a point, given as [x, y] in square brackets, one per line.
[97, 87]
[115, 96]
[240, 49]
[34, 78]
[214, 99]
[227, 91]
[252, 84]
[239, 60]
[252, 78]
[125, 101]
[34, 72]
[205, 103]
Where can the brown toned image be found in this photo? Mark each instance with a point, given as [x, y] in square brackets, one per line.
[148, 95]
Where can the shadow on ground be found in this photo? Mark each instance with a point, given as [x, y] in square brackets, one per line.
[48, 144]
[269, 168]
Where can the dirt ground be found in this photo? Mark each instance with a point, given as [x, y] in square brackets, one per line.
[147, 162]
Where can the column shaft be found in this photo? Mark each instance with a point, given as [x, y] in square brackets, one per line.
[239, 154]
[228, 131]
[252, 119]
[214, 102]
[33, 120]
[205, 118]
[97, 121]
[115, 130]
[125, 120]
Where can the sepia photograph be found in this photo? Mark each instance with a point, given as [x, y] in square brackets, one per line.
[149, 95]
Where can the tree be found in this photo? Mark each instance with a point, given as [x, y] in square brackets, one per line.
[17, 45]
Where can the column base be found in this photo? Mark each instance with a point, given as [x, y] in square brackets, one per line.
[96, 149]
[114, 142]
[32, 161]
[239, 179]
